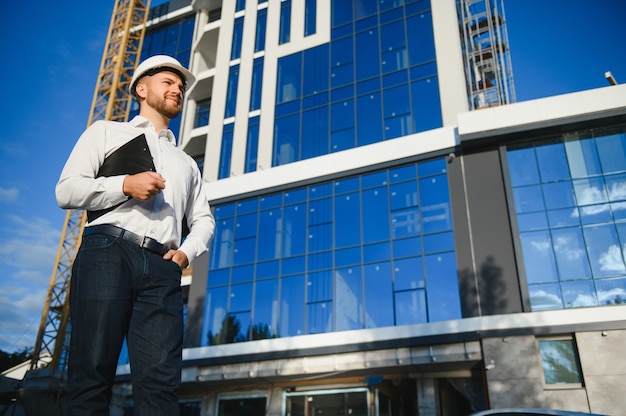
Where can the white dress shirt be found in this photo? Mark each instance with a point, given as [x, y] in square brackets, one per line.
[159, 217]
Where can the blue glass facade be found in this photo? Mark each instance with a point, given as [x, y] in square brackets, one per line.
[570, 203]
[174, 39]
[365, 251]
[375, 81]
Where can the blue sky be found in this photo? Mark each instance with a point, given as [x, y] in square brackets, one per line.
[52, 56]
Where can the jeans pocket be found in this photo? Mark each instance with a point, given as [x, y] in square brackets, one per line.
[97, 241]
[176, 266]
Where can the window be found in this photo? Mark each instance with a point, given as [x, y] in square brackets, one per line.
[428, 117]
[370, 83]
[261, 26]
[310, 17]
[366, 251]
[367, 54]
[235, 52]
[393, 46]
[215, 15]
[231, 94]
[257, 84]
[316, 75]
[203, 110]
[252, 145]
[570, 209]
[342, 61]
[420, 39]
[289, 82]
[285, 22]
[397, 112]
[226, 151]
[559, 359]
[286, 140]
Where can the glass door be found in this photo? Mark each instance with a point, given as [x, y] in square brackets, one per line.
[352, 402]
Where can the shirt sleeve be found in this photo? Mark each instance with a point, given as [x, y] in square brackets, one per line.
[200, 221]
[78, 187]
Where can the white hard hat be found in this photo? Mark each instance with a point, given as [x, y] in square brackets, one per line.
[158, 63]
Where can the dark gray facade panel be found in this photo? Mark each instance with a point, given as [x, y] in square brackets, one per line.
[488, 276]
[466, 274]
[195, 305]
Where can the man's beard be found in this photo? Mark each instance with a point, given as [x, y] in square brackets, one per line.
[163, 106]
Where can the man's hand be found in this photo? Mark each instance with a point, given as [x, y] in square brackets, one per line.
[178, 257]
[144, 185]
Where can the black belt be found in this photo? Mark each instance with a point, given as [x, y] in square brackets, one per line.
[147, 243]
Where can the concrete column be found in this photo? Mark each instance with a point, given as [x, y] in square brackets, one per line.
[275, 405]
[427, 396]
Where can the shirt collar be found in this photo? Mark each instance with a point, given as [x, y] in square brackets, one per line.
[142, 122]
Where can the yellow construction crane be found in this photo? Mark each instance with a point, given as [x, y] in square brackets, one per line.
[43, 386]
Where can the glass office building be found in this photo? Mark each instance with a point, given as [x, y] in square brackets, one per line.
[381, 248]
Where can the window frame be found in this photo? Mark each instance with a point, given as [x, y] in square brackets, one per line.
[577, 363]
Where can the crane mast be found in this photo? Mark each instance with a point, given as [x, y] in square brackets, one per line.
[44, 383]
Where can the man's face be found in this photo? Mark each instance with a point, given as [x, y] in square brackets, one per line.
[164, 93]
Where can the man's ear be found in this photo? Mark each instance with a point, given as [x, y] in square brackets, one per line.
[140, 90]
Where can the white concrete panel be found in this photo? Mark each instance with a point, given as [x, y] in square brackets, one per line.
[335, 163]
[578, 106]
[220, 85]
[536, 320]
[450, 67]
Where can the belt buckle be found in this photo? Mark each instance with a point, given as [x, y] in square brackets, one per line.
[144, 242]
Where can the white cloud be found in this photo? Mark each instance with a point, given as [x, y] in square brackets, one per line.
[617, 191]
[11, 149]
[9, 194]
[27, 254]
[591, 201]
[542, 300]
[612, 260]
[591, 195]
[583, 300]
[595, 209]
[540, 246]
[21, 311]
[29, 244]
[568, 247]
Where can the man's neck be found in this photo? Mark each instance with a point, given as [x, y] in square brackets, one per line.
[159, 121]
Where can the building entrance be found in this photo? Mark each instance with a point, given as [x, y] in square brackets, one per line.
[395, 397]
[334, 402]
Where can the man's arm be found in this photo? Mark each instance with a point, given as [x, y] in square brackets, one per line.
[78, 187]
[200, 221]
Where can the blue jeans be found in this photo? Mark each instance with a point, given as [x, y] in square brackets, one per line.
[120, 290]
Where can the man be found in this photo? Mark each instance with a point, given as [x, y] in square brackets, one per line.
[126, 275]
